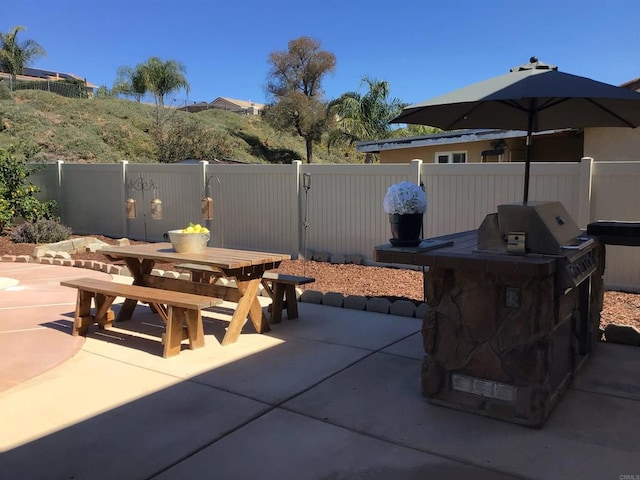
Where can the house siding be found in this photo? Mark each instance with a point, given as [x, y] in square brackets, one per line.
[565, 148]
[612, 144]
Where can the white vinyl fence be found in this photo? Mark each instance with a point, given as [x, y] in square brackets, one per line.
[615, 195]
[266, 207]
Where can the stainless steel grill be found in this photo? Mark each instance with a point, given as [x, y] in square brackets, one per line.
[540, 228]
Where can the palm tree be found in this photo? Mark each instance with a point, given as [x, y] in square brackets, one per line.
[15, 55]
[364, 117]
[162, 78]
[130, 82]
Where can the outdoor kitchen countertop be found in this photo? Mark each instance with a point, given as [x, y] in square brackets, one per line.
[460, 251]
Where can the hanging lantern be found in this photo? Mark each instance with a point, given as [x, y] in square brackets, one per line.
[206, 208]
[306, 181]
[156, 209]
[131, 208]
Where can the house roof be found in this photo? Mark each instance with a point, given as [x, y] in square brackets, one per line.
[38, 73]
[445, 138]
[632, 84]
[194, 107]
[238, 103]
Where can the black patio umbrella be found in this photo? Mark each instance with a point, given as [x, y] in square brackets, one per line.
[533, 97]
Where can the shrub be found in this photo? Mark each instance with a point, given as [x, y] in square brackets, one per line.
[5, 214]
[40, 231]
[5, 93]
[17, 193]
[184, 137]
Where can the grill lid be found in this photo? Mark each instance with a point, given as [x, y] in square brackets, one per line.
[546, 226]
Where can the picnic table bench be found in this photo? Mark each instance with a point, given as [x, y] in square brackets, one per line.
[281, 288]
[180, 311]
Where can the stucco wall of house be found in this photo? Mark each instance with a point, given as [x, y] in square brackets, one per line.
[427, 154]
[617, 144]
[567, 148]
[550, 148]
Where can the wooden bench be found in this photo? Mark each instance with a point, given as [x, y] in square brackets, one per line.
[282, 290]
[280, 287]
[178, 310]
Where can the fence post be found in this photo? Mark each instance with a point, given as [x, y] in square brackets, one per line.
[584, 203]
[416, 167]
[203, 188]
[203, 174]
[416, 170]
[59, 190]
[297, 215]
[123, 197]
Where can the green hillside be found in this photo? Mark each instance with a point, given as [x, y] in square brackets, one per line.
[108, 130]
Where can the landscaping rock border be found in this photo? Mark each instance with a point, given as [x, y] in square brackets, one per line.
[60, 254]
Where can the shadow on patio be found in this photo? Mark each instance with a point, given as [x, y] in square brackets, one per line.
[334, 394]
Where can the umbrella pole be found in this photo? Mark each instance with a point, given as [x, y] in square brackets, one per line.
[527, 168]
[527, 152]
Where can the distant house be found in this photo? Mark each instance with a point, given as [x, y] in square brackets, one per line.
[491, 145]
[40, 75]
[224, 103]
[238, 106]
[478, 145]
[194, 107]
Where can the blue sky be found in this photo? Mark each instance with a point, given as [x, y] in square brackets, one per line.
[422, 48]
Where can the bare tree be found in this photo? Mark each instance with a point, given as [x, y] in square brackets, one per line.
[295, 85]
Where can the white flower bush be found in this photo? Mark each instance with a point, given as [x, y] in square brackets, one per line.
[405, 198]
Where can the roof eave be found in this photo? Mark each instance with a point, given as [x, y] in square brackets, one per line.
[448, 138]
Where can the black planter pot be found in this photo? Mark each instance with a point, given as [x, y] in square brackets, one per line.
[405, 229]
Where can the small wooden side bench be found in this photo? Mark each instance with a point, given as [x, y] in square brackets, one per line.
[280, 287]
[282, 290]
[182, 309]
[201, 273]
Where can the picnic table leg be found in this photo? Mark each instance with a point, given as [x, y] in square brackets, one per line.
[204, 277]
[138, 269]
[200, 277]
[248, 304]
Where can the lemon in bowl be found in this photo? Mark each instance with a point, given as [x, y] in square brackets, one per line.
[192, 239]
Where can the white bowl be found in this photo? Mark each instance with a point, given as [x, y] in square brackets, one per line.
[188, 242]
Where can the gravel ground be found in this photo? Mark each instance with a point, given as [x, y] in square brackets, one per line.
[619, 307]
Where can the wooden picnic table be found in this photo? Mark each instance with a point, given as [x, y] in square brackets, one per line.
[244, 266]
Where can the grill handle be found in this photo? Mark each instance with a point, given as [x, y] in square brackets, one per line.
[587, 243]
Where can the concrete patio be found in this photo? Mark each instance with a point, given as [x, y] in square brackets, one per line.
[332, 395]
